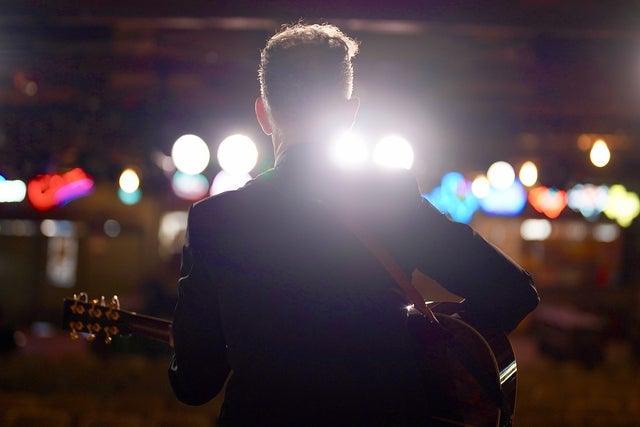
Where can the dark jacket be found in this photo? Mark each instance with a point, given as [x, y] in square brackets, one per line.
[274, 287]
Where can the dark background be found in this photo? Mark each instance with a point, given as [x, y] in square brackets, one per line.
[466, 82]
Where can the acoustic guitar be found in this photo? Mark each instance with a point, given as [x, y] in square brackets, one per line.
[469, 374]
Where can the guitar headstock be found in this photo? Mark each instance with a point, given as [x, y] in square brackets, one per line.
[93, 317]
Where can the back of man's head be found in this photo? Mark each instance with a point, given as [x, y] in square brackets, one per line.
[305, 70]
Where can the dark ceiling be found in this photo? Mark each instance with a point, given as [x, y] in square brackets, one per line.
[468, 82]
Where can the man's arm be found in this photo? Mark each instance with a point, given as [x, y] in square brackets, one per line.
[199, 366]
[498, 292]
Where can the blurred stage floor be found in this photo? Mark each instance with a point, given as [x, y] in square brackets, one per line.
[550, 392]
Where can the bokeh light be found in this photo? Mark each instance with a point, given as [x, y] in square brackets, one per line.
[237, 154]
[12, 191]
[393, 151]
[189, 187]
[548, 201]
[480, 186]
[600, 154]
[508, 202]
[501, 175]
[528, 174]
[454, 197]
[47, 191]
[129, 198]
[60, 228]
[190, 154]
[535, 229]
[129, 181]
[111, 228]
[588, 199]
[622, 205]
[606, 232]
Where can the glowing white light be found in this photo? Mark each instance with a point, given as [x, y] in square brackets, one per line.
[225, 181]
[350, 150]
[190, 154]
[501, 175]
[237, 154]
[535, 229]
[480, 187]
[600, 154]
[528, 174]
[393, 151]
[129, 181]
[12, 191]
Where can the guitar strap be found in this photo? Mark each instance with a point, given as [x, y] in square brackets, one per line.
[390, 264]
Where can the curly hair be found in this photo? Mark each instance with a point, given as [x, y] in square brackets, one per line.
[306, 64]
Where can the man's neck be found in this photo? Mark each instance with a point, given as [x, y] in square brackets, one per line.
[282, 142]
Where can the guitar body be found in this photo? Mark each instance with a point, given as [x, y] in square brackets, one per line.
[469, 374]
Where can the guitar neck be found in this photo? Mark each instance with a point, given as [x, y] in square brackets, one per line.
[148, 326]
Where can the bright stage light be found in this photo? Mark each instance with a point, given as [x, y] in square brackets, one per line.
[237, 154]
[190, 154]
[393, 151]
[350, 150]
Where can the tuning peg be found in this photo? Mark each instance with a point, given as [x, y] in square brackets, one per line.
[110, 332]
[75, 327]
[115, 302]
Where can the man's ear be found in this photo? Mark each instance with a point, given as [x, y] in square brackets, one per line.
[263, 116]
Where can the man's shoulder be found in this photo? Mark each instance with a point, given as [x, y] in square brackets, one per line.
[253, 192]
[387, 181]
